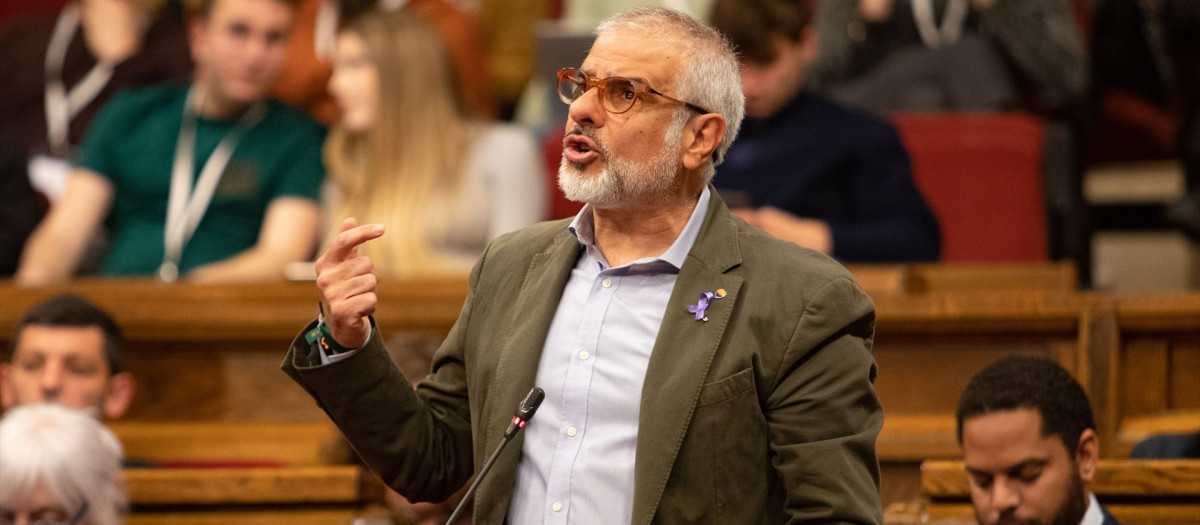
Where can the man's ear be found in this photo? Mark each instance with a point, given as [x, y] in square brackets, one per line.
[701, 137]
[7, 397]
[120, 393]
[1087, 454]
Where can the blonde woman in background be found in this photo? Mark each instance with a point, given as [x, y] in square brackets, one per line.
[404, 155]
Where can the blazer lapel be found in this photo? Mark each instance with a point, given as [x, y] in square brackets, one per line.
[536, 302]
[682, 354]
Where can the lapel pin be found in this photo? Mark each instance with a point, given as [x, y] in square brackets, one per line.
[706, 298]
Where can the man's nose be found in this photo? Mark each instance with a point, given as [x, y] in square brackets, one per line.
[1005, 495]
[587, 109]
[51, 381]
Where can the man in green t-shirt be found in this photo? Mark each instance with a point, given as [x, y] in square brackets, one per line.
[210, 181]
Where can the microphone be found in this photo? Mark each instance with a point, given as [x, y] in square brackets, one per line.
[524, 413]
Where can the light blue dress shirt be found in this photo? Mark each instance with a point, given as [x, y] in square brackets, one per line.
[578, 456]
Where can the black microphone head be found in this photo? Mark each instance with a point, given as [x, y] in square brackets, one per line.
[531, 403]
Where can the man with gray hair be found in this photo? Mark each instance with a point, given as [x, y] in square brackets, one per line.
[695, 368]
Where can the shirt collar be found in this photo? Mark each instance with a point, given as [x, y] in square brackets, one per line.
[583, 228]
[1093, 516]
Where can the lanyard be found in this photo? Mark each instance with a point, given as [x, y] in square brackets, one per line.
[952, 22]
[63, 105]
[186, 204]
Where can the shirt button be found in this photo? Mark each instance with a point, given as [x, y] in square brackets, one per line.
[556, 506]
[607, 283]
[584, 355]
[571, 431]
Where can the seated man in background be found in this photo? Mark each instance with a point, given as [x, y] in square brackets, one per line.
[59, 465]
[1029, 445]
[67, 350]
[210, 181]
[804, 169]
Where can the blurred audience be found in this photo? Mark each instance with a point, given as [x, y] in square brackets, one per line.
[805, 169]
[508, 29]
[1151, 49]
[308, 63]
[59, 70]
[949, 55]
[404, 155]
[20, 205]
[59, 465]
[229, 197]
[584, 15]
[67, 350]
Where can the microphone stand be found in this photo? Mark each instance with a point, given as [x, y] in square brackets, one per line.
[524, 412]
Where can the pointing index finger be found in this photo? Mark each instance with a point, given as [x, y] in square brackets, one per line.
[344, 246]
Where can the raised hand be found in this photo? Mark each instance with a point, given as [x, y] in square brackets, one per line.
[347, 283]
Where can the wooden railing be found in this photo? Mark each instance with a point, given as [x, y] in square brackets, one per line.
[205, 354]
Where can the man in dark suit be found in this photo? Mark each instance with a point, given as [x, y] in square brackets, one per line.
[695, 368]
[805, 169]
[1030, 445]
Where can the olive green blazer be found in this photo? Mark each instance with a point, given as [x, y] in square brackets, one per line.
[764, 413]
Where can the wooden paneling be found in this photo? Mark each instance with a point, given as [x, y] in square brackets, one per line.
[211, 354]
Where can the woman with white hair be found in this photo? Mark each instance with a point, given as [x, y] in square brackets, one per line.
[59, 465]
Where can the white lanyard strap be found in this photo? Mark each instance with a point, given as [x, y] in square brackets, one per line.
[186, 205]
[947, 34]
[61, 105]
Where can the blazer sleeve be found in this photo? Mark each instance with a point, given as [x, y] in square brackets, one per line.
[417, 440]
[823, 414]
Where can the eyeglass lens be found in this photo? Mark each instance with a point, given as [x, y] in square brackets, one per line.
[617, 94]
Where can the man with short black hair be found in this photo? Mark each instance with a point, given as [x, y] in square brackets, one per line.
[67, 350]
[805, 169]
[1029, 445]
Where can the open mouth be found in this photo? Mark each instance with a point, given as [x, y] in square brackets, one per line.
[579, 149]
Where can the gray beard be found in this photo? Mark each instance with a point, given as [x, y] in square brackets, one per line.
[620, 182]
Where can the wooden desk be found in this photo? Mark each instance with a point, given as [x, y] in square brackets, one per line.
[269, 473]
[1155, 384]
[330, 494]
[928, 346]
[232, 442]
[212, 353]
[209, 353]
[878, 279]
[1134, 491]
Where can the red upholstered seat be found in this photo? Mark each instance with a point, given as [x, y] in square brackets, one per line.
[982, 175]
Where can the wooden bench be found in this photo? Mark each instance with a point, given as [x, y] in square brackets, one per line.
[928, 346]
[1159, 491]
[1155, 371]
[232, 472]
[212, 353]
[878, 279]
[209, 354]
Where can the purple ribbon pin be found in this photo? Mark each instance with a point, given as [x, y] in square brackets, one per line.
[706, 298]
